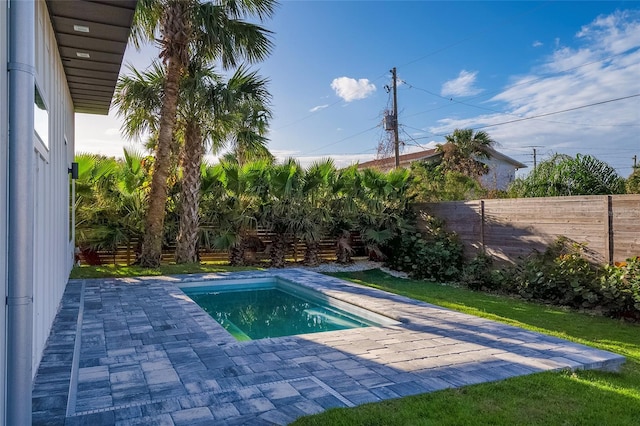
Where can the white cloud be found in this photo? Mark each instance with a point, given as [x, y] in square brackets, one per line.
[537, 43]
[350, 89]
[318, 108]
[463, 85]
[603, 65]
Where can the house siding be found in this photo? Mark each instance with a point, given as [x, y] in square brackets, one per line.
[4, 99]
[500, 174]
[53, 247]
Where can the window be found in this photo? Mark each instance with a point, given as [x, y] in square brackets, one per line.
[41, 118]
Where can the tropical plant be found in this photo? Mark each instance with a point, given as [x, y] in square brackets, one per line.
[633, 182]
[384, 208]
[313, 218]
[347, 191]
[182, 29]
[283, 197]
[212, 112]
[562, 175]
[431, 184]
[111, 196]
[463, 151]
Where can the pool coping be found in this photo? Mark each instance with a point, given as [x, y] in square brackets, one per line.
[125, 361]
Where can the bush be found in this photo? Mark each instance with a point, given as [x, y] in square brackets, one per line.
[560, 275]
[620, 289]
[434, 254]
[478, 274]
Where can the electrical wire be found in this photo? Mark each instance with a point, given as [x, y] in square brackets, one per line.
[551, 113]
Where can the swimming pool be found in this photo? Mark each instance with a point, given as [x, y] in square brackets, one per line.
[273, 307]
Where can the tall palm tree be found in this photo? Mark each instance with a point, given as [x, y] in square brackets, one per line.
[463, 150]
[216, 31]
[212, 112]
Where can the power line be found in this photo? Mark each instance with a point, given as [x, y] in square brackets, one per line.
[541, 77]
[346, 138]
[553, 113]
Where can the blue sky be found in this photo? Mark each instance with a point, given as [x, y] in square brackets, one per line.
[483, 65]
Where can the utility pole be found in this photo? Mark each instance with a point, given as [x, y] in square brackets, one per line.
[635, 158]
[396, 142]
[535, 160]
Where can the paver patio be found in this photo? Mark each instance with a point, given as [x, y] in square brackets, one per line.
[138, 351]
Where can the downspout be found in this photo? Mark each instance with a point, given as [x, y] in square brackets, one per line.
[20, 211]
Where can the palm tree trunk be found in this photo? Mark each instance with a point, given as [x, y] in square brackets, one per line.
[278, 250]
[187, 240]
[343, 248]
[312, 253]
[154, 222]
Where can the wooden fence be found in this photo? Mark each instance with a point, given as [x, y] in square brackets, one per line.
[126, 253]
[513, 228]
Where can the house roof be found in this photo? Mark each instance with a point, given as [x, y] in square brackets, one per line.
[406, 159]
[97, 29]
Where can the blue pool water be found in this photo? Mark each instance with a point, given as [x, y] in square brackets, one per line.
[259, 310]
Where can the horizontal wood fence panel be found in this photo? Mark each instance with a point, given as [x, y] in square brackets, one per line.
[125, 255]
[513, 228]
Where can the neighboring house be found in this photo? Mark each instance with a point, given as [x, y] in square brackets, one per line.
[502, 169]
[56, 58]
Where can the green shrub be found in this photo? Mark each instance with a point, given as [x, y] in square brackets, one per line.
[478, 274]
[620, 289]
[434, 254]
[560, 275]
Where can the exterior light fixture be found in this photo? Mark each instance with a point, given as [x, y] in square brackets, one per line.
[83, 55]
[81, 28]
[73, 170]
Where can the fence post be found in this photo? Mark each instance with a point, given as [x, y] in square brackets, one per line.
[482, 225]
[608, 229]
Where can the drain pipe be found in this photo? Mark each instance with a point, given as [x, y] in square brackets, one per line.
[20, 211]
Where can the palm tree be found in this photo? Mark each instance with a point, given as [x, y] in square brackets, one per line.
[383, 212]
[111, 199]
[214, 111]
[233, 211]
[313, 217]
[211, 112]
[216, 31]
[282, 198]
[347, 190]
[462, 151]
[565, 175]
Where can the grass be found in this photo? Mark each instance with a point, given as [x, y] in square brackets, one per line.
[565, 398]
[111, 271]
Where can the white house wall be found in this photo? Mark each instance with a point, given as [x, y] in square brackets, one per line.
[4, 143]
[53, 248]
[500, 175]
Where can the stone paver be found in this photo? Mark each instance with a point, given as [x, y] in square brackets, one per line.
[138, 351]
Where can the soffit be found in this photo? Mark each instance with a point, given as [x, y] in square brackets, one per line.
[91, 80]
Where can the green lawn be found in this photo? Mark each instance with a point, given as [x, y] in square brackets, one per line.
[118, 271]
[568, 398]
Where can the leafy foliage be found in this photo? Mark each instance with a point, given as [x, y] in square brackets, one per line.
[463, 150]
[434, 254]
[429, 183]
[563, 175]
[563, 276]
[620, 288]
[633, 182]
